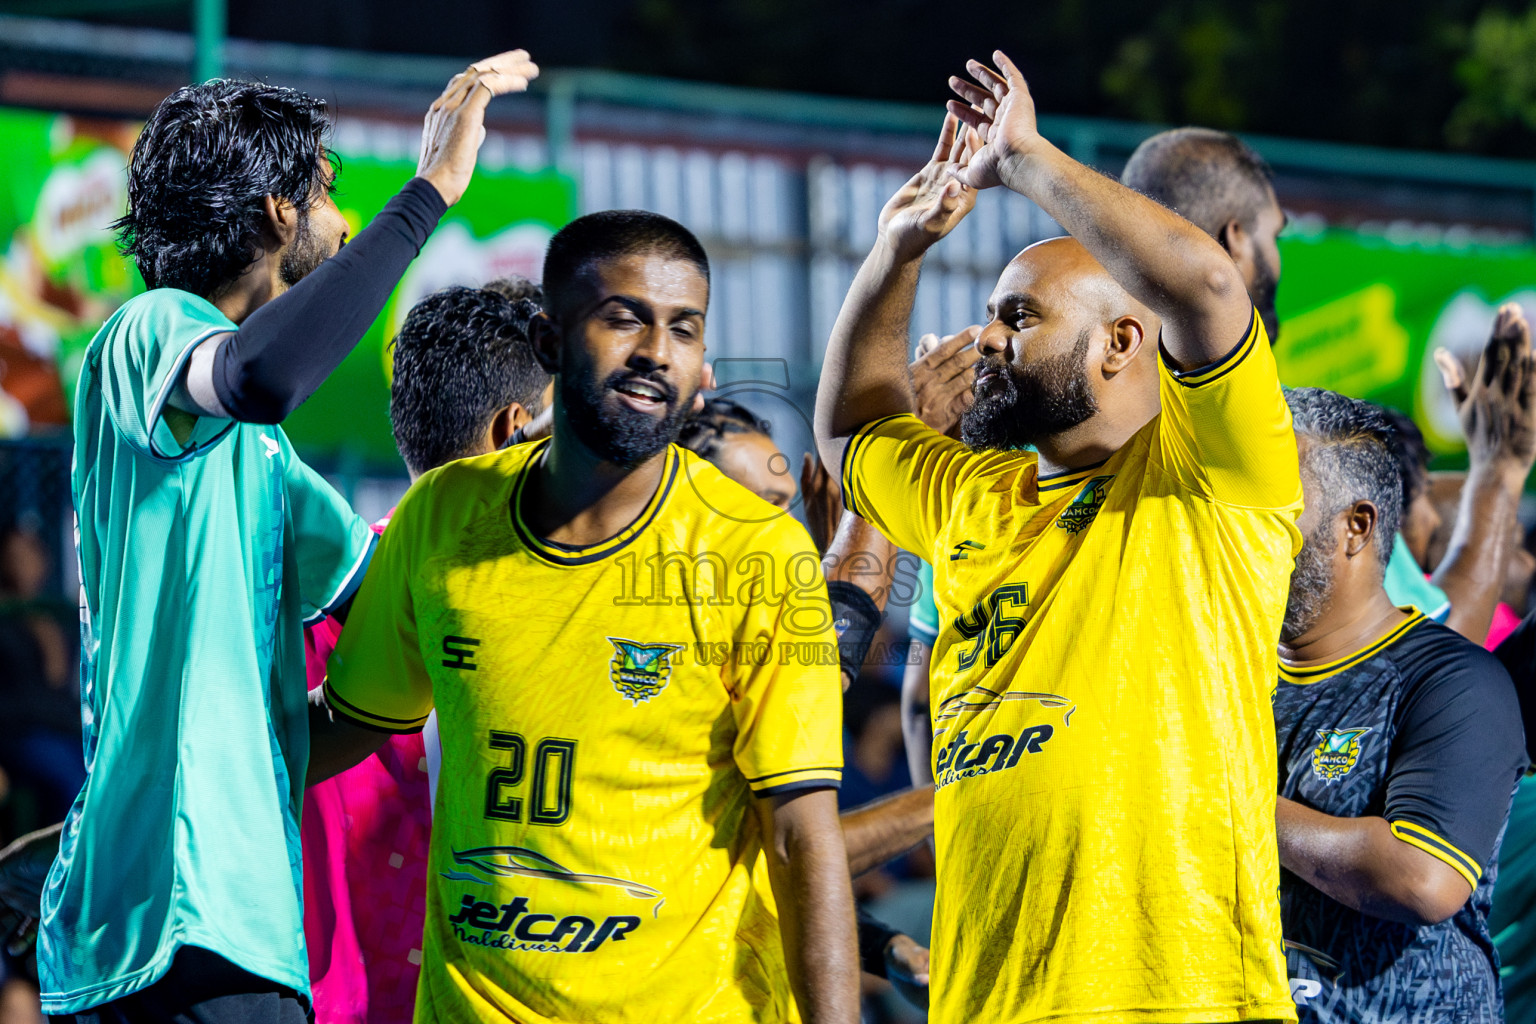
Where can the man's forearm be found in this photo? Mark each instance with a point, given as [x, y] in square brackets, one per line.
[287, 348]
[1164, 261]
[1472, 571]
[858, 565]
[864, 375]
[335, 745]
[860, 554]
[808, 868]
[884, 829]
[1361, 864]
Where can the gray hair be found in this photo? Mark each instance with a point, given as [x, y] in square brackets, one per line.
[1353, 458]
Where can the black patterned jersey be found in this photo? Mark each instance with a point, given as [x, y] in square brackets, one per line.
[1421, 728]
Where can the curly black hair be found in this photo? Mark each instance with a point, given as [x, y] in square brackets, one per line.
[704, 431]
[200, 174]
[461, 356]
[515, 287]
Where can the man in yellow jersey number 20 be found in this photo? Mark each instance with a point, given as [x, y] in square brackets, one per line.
[634, 667]
[1111, 544]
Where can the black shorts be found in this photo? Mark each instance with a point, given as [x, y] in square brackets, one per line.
[201, 988]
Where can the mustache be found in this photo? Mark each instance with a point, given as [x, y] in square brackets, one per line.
[986, 365]
[652, 377]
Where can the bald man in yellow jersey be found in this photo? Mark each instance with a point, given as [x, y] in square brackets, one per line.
[1109, 601]
[635, 672]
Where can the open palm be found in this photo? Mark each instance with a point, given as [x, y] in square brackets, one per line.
[999, 114]
[1497, 404]
[932, 202]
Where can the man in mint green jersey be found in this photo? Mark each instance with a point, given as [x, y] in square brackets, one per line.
[205, 544]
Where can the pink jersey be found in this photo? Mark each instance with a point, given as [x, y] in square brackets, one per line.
[1505, 619]
[365, 835]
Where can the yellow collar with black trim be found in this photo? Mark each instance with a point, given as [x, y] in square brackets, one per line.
[1317, 673]
[1052, 482]
[568, 556]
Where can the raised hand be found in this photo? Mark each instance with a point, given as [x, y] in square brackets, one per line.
[942, 376]
[999, 111]
[932, 202]
[455, 123]
[1497, 407]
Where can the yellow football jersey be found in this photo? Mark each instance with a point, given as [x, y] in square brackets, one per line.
[1103, 743]
[607, 715]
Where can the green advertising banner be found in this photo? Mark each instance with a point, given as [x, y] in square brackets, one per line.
[62, 184]
[1362, 315]
[500, 227]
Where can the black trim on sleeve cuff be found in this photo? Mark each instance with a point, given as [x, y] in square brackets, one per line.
[859, 436]
[364, 719]
[1220, 368]
[375, 728]
[1426, 839]
[793, 771]
[798, 787]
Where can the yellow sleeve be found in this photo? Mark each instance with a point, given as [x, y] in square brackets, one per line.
[902, 476]
[1225, 430]
[785, 685]
[376, 677]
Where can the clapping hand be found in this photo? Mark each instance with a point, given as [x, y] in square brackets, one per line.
[942, 378]
[455, 123]
[932, 202]
[1000, 115]
[1497, 406]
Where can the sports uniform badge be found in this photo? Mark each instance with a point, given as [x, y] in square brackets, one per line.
[1336, 753]
[640, 671]
[1084, 509]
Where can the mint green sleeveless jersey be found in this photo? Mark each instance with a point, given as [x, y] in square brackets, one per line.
[199, 564]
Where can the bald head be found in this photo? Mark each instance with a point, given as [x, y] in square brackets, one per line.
[1064, 273]
[1065, 351]
[1209, 177]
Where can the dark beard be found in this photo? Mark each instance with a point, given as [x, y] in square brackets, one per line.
[1024, 406]
[303, 256]
[1266, 283]
[617, 433]
[1311, 585]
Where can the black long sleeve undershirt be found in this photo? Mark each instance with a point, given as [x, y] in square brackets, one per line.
[874, 936]
[285, 350]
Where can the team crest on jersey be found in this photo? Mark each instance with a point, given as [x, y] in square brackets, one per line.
[640, 671]
[1085, 507]
[1336, 753]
